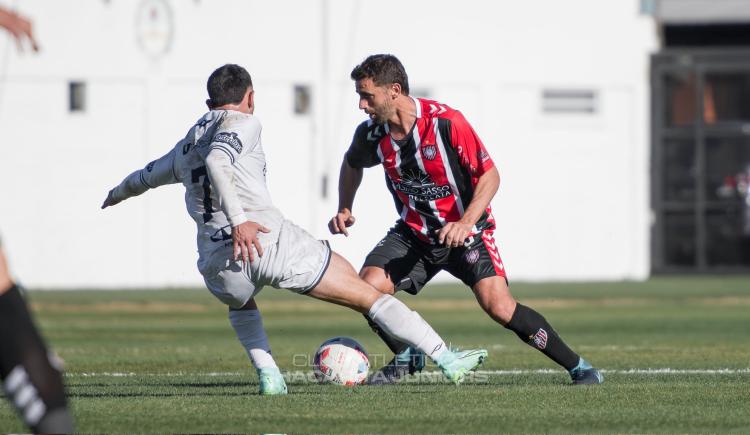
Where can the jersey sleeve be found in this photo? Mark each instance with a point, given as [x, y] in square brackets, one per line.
[236, 136]
[155, 174]
[219, 167]
[471, 150]
[363, 151]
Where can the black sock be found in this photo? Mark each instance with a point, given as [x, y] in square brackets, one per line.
[394, 345]
[25, 365]
[534, 330]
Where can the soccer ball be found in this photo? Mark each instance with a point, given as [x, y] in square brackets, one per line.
[341, 360]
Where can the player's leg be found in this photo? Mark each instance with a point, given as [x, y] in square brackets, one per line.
[232, 285]
[482, 269]
[378, 278]
[248, 325]
[532, 328]
[341, 285]
[396, 264]
[30, 380]
[406, 360]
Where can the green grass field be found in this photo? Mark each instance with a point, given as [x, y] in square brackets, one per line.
[675, 353]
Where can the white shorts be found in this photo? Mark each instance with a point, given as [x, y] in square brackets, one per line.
[296, 262]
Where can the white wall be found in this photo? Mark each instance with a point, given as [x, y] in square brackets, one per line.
[573, 202]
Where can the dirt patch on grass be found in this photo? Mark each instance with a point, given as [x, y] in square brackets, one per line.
[121, 307]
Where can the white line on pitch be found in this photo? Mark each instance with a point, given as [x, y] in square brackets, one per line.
[648, 371]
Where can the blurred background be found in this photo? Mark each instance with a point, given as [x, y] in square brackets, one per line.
[621, 128]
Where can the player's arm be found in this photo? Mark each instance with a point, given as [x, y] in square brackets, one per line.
[362, 153]
[219, 167]
[476, 160]
[454, 234]
[484, 191]
[155, 174]
[349, 180]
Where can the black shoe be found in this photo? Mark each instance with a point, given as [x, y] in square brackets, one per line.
[405, 363]
[588, 376]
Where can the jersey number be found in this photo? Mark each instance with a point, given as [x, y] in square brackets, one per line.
[195, 176]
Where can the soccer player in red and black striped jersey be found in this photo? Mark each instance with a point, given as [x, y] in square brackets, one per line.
[442, 179]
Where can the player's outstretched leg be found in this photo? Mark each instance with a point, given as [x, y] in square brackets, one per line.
[533, 329]
[406, 359]
[342, 285]
[31, 382]
[248, 325]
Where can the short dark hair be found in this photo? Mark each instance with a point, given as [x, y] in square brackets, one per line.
[383, 69]
[228, 84]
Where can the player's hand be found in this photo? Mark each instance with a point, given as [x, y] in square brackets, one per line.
[244, 237]
[20, 28]
[454, 234]
[110, 200]
[341, 222]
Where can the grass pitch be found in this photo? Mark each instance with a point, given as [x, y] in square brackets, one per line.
[675, 354]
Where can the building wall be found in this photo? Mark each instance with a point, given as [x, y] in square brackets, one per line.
[573, 202]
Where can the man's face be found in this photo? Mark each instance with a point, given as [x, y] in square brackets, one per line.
[375, 100]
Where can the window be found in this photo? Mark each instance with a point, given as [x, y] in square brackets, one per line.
[582, 101]
[302, 100]
[77, 96]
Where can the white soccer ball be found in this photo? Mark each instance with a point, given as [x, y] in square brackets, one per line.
[341, 360]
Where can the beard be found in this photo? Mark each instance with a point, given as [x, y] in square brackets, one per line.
[382, 114]
[379, 118]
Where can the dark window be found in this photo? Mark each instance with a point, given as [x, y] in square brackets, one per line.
[679, 238]
[701, 160]
[77, 96]
[679, 170]
[704, 35]
[302, 100]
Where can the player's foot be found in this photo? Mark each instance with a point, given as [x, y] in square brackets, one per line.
[584, 374]
[455, 365]
[408, 362]
[271, 381]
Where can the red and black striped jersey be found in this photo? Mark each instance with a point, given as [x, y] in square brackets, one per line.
[432, 173]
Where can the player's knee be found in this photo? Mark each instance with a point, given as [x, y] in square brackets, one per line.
[501, 310]
[358, 297]
[377, 278]
[249, 305]
[499, 307]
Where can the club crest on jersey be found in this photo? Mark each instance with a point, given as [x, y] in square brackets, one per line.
[540, 339]
[429, 151]
[231, 139]
[472, 256]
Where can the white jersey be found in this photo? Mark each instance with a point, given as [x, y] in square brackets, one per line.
[238, 135]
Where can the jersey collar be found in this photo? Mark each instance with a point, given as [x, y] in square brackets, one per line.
[419, 106]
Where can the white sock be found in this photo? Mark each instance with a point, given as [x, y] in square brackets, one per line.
[399, 321]
[249, 328]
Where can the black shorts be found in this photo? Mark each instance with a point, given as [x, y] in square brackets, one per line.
[411, 263]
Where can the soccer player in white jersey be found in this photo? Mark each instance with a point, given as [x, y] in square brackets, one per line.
[244, 242]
